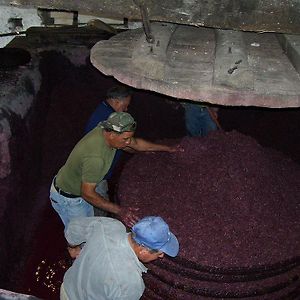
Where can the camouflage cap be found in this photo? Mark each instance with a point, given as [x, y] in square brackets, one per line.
[119, 122]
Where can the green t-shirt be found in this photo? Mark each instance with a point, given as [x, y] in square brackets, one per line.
[88, 162]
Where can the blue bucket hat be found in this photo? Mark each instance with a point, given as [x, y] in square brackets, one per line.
[154, 233]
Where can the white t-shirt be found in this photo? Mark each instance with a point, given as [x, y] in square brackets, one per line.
[107, 267]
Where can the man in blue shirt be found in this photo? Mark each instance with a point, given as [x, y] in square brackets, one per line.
[117, 100]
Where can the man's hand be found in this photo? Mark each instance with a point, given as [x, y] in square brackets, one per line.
[127, 215]
[74, 251]
[176, 148]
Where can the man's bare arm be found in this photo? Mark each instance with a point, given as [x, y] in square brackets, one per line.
[89, 194]
[139, 144]
[126, 214]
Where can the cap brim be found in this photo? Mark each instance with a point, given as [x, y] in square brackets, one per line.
[171, 248]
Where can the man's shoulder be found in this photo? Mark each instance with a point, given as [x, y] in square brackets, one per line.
[103, 111]
[112, 222]
[113, 232]
[95, 136]
[111, 227]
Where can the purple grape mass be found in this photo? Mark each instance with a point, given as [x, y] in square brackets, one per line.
[235, 208]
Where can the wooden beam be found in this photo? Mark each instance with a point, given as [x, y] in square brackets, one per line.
[246, 15]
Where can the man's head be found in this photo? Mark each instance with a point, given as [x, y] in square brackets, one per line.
[119, 98]
[154, 239]
[118, 129]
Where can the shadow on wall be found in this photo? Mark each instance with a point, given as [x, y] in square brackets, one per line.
[274, 128]
[12, 58]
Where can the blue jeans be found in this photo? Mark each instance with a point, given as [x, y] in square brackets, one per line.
[69, 208]
[198, 121]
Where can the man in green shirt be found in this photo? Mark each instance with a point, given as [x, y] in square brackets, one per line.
[73, 190]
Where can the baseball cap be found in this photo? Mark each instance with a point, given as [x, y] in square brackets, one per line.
[119, 122]
[154, 233]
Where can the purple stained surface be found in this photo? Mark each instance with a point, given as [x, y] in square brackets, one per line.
[232, 203]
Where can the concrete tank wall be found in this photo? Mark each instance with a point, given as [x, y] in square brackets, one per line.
[18, 160]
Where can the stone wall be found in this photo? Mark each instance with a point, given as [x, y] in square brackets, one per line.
[18, 160]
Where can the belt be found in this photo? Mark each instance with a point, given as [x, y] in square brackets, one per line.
[61, 192]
